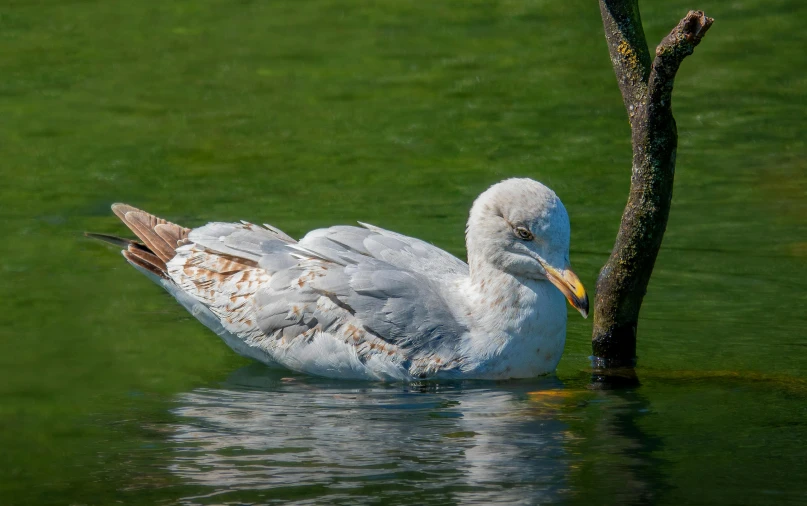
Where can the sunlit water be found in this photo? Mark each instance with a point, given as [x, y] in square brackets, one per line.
[307, 114]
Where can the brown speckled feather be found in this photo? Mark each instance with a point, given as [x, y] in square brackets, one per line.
[225, 284]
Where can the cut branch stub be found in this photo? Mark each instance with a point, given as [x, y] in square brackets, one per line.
[672, 50]
[646, 91]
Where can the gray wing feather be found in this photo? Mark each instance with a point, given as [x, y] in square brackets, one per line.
[344, 237]
[396, 249]
[270, 247]
[277, 261]
[404, 307]
[396, 285]
[238, 239]
[393, 286]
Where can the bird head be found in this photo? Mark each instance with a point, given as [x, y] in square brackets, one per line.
[519, 226]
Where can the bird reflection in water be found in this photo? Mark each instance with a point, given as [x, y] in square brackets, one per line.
[265, 436]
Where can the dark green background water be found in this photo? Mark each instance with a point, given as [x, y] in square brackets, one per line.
[310, 113]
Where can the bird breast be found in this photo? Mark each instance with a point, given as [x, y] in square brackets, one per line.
[518, 326]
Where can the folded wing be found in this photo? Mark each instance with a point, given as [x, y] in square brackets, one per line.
[384, 295]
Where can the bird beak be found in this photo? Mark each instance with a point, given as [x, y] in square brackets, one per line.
[570, 286]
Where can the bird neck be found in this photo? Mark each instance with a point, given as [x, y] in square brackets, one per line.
[508, 297]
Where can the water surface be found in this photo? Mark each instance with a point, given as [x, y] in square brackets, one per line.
[307, 114]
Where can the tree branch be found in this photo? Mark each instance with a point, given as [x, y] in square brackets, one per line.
[646, 91]
[672, 50]
[628, 48]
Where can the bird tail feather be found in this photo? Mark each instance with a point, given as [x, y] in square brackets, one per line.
[160, 239]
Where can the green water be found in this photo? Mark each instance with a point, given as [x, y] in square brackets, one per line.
[310, 113]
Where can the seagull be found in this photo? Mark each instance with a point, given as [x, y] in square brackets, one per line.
[361, 302]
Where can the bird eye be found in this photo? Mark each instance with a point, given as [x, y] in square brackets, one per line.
[523, 233]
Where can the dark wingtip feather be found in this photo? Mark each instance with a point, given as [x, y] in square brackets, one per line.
[115, 240]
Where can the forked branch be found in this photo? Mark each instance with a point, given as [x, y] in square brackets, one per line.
[646, 85]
